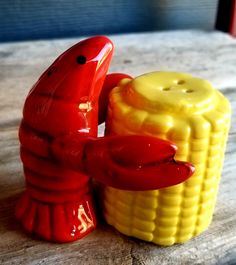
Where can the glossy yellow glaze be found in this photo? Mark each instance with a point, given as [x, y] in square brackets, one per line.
[195, 116]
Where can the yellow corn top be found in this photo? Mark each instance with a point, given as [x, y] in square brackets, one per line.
[196, 117]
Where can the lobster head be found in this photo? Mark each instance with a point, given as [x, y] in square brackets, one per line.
[65, 98]
[77, 75]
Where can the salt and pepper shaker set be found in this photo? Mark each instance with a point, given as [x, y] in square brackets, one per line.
[158, 165]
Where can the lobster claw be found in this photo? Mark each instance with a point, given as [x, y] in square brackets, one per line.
[135, 162]
[131, 162]
[110, 82]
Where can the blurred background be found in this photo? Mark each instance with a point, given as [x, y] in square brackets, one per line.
[47, 19]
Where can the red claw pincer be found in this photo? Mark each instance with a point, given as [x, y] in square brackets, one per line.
[131, 162]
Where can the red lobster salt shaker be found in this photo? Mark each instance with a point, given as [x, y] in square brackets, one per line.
[57, 204]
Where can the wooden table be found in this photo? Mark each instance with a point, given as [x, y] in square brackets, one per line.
[208, 55]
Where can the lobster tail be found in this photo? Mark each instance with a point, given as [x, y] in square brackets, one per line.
[57, 222]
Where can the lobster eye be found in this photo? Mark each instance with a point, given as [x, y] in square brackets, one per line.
[81, 59]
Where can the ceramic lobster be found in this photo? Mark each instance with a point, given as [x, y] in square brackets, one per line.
[60, 150]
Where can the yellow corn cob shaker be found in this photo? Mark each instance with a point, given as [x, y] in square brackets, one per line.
[196, 117]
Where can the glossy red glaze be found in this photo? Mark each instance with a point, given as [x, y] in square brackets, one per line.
[65, 98]
[57, 204]
[130, 162]
[110, 82]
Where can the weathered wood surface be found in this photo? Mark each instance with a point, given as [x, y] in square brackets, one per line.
[208, 55]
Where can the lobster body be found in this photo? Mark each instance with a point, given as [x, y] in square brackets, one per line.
[57, 204]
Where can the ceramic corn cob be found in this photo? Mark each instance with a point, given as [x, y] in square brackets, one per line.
[196, 117]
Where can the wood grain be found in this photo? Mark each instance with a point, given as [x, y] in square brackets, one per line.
[209, 55]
